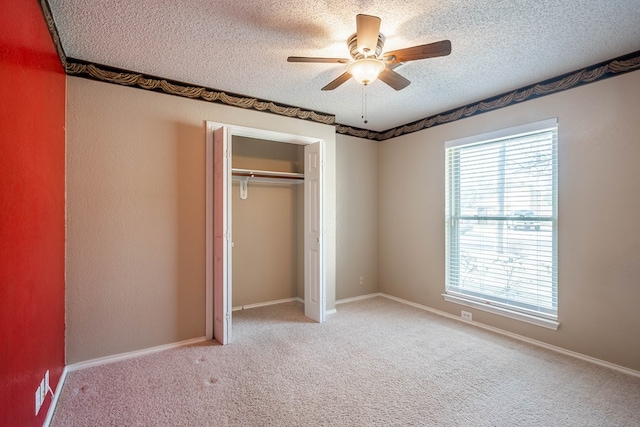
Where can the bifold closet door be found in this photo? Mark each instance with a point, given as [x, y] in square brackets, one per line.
[221, 237]
[313, 292]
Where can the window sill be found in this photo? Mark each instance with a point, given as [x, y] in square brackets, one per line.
[538, 321]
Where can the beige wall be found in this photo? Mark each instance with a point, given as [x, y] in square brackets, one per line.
[251, 153]
[267, 242]
[357, 213]
[135, 214]
[599, 203]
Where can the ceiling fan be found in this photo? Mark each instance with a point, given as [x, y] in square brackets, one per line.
[368, 63]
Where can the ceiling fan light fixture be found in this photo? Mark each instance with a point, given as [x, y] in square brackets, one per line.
[366, 70]
[370, 63]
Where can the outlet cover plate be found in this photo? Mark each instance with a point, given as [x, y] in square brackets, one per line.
[38, 400]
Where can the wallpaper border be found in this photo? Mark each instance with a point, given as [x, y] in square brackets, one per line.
[75, 67]
[617, 66]
[603, 70]
[53, 30]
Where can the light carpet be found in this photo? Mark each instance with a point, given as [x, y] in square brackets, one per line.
[376, 362]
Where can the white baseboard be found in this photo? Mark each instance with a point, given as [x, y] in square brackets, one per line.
[54, 399]
[279, 301]
[263, 304]
[131, 354]
[358, 298]
[560, 350]
[105, 360]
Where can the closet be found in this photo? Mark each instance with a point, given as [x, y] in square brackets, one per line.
[267, 205]
[264, 223]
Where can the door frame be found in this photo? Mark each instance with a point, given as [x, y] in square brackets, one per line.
[244, 131]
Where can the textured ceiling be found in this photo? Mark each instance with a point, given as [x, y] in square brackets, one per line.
[242, 47]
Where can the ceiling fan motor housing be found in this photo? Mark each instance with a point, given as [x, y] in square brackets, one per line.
[352, 42]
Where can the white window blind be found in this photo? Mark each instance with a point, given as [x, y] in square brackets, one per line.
[501, 220]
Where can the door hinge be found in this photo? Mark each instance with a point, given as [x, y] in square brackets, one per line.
[227, 316]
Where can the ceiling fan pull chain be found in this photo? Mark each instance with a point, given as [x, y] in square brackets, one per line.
[364, 104]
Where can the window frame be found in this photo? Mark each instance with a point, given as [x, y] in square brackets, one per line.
[453, 218]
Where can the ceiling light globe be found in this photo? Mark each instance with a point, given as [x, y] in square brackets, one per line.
[366, 70]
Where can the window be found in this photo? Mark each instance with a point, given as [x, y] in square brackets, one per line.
[501, 222]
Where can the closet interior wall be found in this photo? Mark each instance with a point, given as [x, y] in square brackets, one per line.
[267, 226]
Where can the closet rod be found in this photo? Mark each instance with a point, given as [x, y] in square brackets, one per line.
[258, 175]
[266, 174]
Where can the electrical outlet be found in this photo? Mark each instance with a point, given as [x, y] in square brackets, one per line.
[361, 280]
[43, 392]
[38, 400]
[467, 315]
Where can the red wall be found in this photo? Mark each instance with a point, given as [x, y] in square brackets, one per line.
[32, 211]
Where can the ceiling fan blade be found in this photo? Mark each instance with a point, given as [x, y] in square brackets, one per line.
[368, 29]
[322, 60]
[431, 50]
[337, 82]
[393, 79]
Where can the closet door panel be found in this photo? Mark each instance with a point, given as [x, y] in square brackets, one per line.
[221, 239]
[313, 301]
